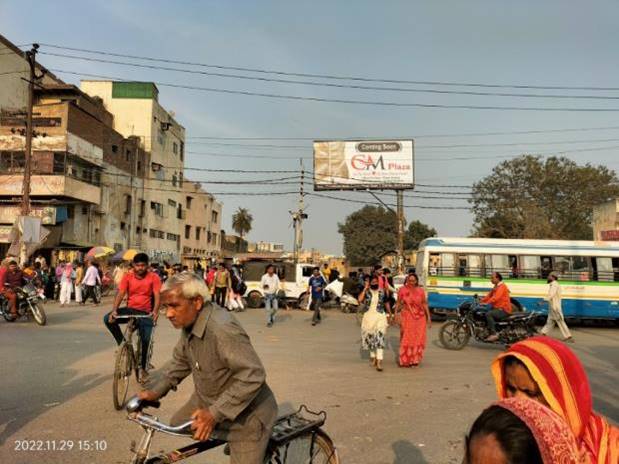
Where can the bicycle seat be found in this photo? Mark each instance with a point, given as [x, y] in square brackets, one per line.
[135, 404]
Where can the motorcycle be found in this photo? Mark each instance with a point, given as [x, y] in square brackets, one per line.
[347, 302]
[471, 322]
[29, 303]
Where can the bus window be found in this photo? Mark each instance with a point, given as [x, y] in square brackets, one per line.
[603, 269]
[469, 265]
[572, 267]
[474, 265]
[530, 267]
[434, 264]
[514, 270]
[448, 265]
[497, 263]
[546, 266]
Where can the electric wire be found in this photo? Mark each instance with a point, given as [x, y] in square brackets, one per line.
[333, 76]
[392, 104]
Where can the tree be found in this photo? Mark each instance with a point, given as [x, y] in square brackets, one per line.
[241, 221]
[532, 197]
[416, 232]
[368, 233]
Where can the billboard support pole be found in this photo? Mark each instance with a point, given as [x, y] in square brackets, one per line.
[400, 221]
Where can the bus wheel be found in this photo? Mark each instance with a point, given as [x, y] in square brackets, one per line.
[254, 299]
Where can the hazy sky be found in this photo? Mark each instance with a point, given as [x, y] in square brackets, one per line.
[550, 43]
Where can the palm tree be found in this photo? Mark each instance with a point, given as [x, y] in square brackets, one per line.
[241, 221]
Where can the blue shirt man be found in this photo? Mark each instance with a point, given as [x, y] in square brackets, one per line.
[317, 284]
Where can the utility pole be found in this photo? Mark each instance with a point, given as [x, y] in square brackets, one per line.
[400, 219]
[31, 57]
[298, 217]
[25, 207]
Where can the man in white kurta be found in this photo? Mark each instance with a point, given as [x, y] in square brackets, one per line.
[555, 313]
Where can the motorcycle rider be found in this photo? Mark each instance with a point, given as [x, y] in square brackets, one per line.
[11, 277]
[500, 304]
[142, 290]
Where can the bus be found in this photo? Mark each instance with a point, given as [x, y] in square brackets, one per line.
[452, 270]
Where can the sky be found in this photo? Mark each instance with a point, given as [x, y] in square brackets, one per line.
[551, 43]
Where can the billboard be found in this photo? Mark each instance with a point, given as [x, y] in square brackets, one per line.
[364, 164]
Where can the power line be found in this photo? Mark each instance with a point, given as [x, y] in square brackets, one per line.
[336, 77]
[417, 136]
[332, 85]
[348, 102]
[321, 195]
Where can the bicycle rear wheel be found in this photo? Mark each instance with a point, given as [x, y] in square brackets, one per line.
[310, 448]
[122, 374]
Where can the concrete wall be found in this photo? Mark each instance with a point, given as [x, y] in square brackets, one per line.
[14, 89]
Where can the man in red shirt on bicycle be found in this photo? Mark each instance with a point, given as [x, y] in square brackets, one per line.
[141, 287]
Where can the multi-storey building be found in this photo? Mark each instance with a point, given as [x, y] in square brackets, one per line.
[84, 174]
[137, 113]
[201, 239]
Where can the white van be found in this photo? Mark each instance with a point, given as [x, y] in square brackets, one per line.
[293, 277]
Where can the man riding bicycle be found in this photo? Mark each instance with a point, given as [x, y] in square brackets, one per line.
[230, 395]
[141, 287]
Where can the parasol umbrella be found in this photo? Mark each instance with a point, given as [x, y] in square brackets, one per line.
[125, 255]
[99, 252]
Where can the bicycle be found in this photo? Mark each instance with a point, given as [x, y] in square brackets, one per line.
[128, 359]
[296, 438]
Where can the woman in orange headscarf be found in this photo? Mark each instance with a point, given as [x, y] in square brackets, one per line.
[546, 370]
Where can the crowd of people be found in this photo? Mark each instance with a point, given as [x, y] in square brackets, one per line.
[544, 410]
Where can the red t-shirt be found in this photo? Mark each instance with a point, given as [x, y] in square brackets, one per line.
[140, 291]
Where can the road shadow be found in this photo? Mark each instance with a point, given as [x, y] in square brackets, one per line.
[407, 453]
[37, 374]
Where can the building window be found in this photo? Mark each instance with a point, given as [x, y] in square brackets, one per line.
[174, 179]
[182, 151]
[128, 155]
[214, 217]
[172, 203]
[142, 208]
[157, 208]
[209, 236]
[84, 210]
[187, 231]
[114, 148]
[137, 230]
[189, 202]
[70, 211]
[139, 166]
[197, 233]
[128, 201]
[123, 226]
[175, 148]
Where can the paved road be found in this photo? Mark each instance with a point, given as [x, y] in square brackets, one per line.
[56, 385]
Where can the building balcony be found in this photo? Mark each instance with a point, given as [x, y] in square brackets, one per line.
[57, 186]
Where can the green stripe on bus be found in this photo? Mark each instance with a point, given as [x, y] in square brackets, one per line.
[527, 281]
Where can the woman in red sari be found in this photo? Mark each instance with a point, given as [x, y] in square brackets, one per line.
[414, 318]
[546, 370]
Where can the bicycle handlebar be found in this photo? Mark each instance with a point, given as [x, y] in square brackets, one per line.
[146, 420]
[132, 316]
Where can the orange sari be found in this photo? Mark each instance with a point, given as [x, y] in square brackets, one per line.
[413, 325]
[565, 387]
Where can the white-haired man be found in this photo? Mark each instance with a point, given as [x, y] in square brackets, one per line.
[231, 394]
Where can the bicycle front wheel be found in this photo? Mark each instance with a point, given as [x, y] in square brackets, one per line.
[311, 448]
[122, 375]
